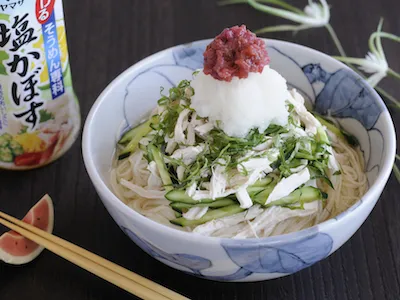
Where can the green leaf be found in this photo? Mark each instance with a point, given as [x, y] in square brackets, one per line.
[3, 57]
[45, 116]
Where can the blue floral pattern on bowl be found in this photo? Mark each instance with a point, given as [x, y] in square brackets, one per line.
[250, 257]
[192, 262]
[190, 57]
[286, 258]
[343, 96]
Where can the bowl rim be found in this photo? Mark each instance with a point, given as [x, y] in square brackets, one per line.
[373, 191]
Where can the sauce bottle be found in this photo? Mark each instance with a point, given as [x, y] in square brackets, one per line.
[39, 112]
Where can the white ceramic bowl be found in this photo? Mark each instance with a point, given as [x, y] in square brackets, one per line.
[332, 88]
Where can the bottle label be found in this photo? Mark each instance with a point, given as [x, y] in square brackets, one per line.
[39, 112]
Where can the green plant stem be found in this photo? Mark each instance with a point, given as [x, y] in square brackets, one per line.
[393, 74]
[377, 35]
[335, 39]
[387, 35]
[388, 96]
[279, 28]
[396, 172]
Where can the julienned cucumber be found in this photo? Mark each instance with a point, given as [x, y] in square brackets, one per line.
[262, 197]
[303, 195]
[262, 182]
[182, 207]
[342, 134]
[210, 215]
[322, 136]
[254, 190]
[259, 186]
[130, 134]
[228, 207]
[157, 156]
[331, 127]
[301, 155]
[132, 138]
[181, 196]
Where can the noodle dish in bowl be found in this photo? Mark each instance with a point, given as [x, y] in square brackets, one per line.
[257, 159]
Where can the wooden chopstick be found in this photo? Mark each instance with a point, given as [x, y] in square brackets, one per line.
[115, 274]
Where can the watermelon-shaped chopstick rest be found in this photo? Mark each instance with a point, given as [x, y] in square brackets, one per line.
[16, 249]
